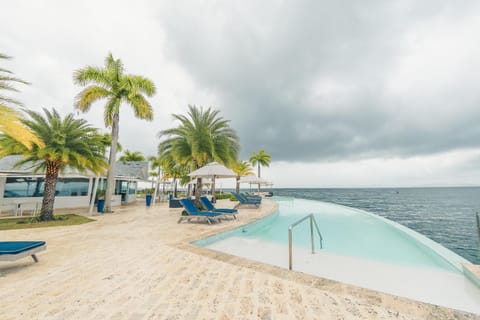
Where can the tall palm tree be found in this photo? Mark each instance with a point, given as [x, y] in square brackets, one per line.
[9, 118]
[110, 83]
[259, 159]
[132, 156]
[202, 136]
[241, 168]
[66, 142]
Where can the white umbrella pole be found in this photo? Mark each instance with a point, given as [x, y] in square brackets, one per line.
[213, 190]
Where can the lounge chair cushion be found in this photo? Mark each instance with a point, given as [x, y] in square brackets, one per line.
[210, 207]
[16, 247]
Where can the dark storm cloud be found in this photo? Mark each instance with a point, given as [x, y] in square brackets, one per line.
[318, 80]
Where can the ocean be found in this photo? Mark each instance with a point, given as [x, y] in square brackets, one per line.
[445, 215]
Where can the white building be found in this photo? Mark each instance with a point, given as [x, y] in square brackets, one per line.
[21, 189]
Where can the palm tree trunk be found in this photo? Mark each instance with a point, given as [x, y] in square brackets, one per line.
[111, 162]
[198, 191]
[189, 187]
[237, 188]
[46, 213]
[175, 187]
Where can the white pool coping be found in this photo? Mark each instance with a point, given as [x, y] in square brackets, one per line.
[422, 284]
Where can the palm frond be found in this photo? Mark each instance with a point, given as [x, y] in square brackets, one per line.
[141, 108]
[88, 96]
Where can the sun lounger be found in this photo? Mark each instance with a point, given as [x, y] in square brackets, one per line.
[208, 205]
[251, 197]
[13, 250]
[242, 201]
[193, 212]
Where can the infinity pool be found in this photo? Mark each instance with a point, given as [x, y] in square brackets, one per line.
[358, 248]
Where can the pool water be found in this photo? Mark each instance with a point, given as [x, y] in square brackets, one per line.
[358, 248]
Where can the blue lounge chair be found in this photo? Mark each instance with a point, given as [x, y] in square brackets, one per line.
[210, 207]
[193, 212]
[242, 201]
[250, 199]
[13, 250]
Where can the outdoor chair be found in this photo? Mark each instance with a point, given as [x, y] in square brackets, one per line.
[251, 199]
[208, 205]
[13, 250]
[242, 201]
[251, 196]
[193, 212]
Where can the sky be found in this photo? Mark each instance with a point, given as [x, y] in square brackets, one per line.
[339, 93]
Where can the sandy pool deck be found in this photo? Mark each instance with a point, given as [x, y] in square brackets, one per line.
[138, 263]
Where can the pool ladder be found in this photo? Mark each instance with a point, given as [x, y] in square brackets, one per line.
[313, 222]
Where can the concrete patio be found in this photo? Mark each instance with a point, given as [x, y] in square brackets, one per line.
[138, 263]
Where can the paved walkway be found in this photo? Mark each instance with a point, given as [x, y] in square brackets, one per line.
[138, 264]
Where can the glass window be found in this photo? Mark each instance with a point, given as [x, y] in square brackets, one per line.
[72, 187]
[132, 187]
[20, 187]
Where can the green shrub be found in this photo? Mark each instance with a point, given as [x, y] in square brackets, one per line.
[221, 196]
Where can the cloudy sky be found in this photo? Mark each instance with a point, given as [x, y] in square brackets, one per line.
[340, 93]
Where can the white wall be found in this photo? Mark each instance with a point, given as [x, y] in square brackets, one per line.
[3, 179]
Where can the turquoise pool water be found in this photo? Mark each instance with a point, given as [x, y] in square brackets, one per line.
[359, 248]
[349, 232]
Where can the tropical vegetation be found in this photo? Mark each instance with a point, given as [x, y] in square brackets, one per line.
[260, 159]
[156, 163]
[132, 156]
[110, 83]
[9, 117]
[202, 136]
[241, 168]
[7, 83]
[63, 143]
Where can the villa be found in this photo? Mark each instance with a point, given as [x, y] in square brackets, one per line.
[21, 189]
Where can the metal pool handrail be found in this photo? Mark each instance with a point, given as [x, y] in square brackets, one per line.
[313, 222]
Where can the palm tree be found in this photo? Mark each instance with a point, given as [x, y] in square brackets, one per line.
[110, 83]
[9, 118]
[241, 168]
[7, 81]
[202, 136]
[175, 171]
[66, 142]
[156, 163]
[260, 158]
[132, 156]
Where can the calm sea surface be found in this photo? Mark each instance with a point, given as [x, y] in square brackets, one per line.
[446, 215]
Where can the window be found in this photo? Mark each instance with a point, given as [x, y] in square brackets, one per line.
[20, 187]
[132, 187]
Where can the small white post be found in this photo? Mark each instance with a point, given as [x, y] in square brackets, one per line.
[155, 192]
[94, 195]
